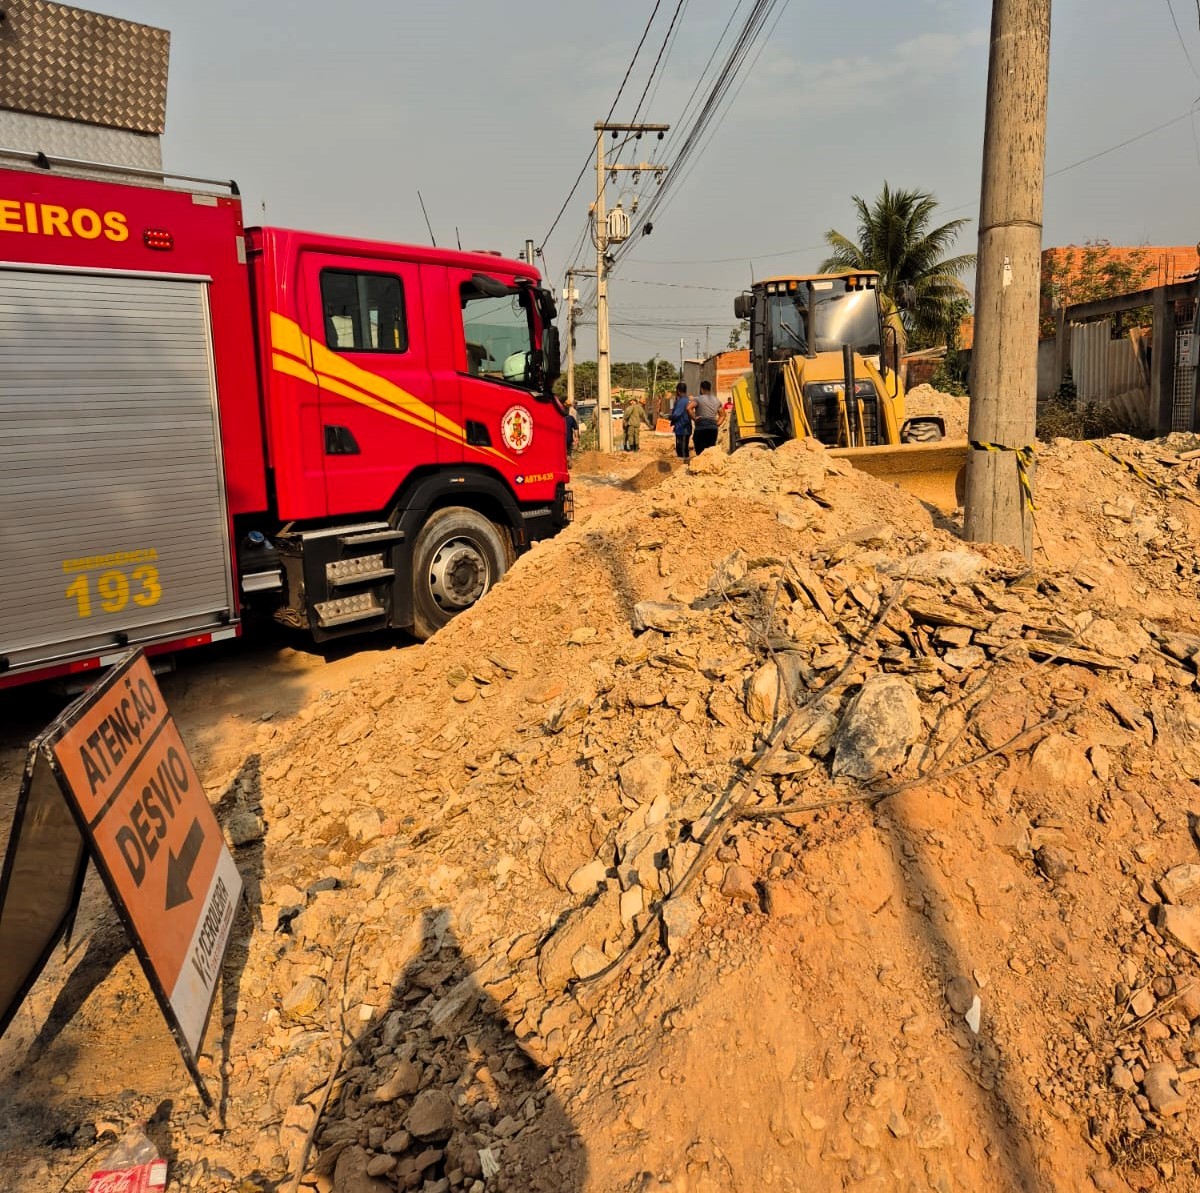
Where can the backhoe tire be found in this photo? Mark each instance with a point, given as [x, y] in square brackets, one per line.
[735, 439]
[459, 555]
[920, 431]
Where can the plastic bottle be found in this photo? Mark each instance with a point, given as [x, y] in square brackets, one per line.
[133, 1166]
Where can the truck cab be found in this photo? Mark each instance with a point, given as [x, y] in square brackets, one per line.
[195, 416]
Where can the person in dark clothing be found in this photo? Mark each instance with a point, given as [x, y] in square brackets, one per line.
[572, 428]
[709, 416]
[681, 420]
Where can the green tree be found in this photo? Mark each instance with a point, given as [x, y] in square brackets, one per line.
[625, 375]
[1088, 273]
[898, 238]
[736, 333]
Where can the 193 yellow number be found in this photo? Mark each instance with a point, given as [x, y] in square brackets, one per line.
[151, 592]
[114, 591]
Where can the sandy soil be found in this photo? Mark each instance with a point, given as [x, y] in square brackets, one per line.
[973, 969]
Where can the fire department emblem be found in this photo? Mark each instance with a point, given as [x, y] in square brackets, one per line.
[517, 428]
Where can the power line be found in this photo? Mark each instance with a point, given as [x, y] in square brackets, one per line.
[1083, 161]
[728, 107]
[620, 90]
[661, 51]
[673, 285]
[757, 18]
[1179, 34]
[1091, 157]
[808, 248]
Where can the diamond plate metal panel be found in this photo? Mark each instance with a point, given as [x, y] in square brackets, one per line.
[86, 142]
[76, 65]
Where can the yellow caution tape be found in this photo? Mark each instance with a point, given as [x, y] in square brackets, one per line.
[1025, 459]
[1165, 490]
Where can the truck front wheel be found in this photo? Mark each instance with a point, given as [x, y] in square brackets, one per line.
[458, 556]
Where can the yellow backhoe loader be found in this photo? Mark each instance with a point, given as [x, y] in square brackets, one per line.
[825, 364]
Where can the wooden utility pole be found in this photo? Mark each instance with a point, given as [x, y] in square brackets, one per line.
[1008, 274]
[600, 214]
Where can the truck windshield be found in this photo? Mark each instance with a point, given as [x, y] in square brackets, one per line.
[788, 324]
[839, 316]
[499, 335]
[842, 316]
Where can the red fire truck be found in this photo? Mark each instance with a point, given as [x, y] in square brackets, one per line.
[194, 415]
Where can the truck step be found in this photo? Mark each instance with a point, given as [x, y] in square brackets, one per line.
[362, 577]
[371, 538]
[270, 581]
[344, 610]
[340, 619]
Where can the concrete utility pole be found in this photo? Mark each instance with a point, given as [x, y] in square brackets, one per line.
[1008, 273]
[603, 361]
[569, 303]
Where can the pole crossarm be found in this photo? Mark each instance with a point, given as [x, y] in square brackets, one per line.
[603, 126]
[599, 214]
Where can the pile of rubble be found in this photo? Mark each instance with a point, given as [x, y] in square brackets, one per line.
[924, 399]
[753, 833]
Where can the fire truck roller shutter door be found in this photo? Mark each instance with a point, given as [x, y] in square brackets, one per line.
[112, 455]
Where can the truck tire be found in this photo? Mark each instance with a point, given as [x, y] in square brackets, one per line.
[458, 556]
[919, 430]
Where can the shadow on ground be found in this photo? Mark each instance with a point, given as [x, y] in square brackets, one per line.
[439, 1082]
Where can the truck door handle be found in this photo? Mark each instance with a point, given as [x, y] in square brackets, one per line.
[340, 441]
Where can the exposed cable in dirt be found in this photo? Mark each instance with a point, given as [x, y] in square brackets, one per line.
[343, 1056]
[871, 797]
[736, 806]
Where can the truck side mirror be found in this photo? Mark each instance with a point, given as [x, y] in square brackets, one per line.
[551, 356]
[743, 305]
[489, 287]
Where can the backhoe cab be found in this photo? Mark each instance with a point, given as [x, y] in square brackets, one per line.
[825, 364]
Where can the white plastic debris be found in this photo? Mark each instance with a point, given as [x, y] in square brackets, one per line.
[974, 1011]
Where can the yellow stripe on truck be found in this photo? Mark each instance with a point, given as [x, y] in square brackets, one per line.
[298, 355]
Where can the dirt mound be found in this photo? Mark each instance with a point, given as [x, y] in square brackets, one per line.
[754, 833]
[924, 399]
[652, 474]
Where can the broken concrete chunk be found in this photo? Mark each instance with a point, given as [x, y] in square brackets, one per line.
[960, 993]
[738, 883]
[952, 567]
[432, 1115]
[666, 617]
[764, 694]
[588, 961]
[645, 777]
[585, 925]
[1059, 763]
[1181, 884]
[1180, 924]
[1164, 1098]
[587, 878]
[882, 722]
[679, 919]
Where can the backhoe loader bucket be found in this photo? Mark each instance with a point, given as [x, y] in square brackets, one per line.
[934, 473]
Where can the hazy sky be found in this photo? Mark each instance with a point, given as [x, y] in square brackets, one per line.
[334, 116]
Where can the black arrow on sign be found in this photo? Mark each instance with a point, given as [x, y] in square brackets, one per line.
[180, 866]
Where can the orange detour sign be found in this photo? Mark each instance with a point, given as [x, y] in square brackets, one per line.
[155, 840]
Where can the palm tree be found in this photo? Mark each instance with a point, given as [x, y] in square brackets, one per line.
[895, 238]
